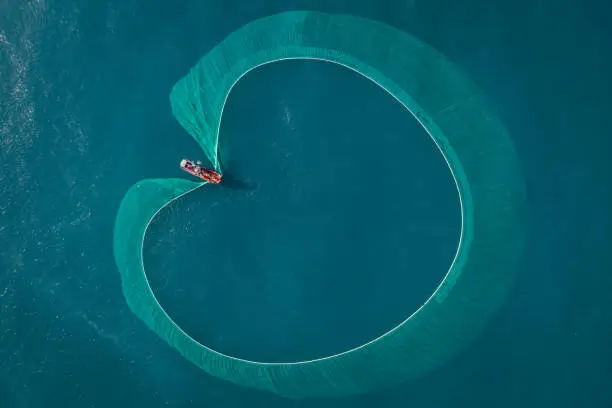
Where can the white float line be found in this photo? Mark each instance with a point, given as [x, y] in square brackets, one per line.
[217, 155]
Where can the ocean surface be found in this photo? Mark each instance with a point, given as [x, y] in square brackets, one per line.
[340, 219]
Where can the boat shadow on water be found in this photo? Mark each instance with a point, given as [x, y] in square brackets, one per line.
[234, 183]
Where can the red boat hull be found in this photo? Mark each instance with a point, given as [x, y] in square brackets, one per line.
[201, 172]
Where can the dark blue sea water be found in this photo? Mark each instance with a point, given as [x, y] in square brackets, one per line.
[341, 221]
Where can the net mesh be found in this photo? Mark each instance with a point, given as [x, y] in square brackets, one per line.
[470, 136]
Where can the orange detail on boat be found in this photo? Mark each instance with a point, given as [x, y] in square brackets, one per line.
[196, 169]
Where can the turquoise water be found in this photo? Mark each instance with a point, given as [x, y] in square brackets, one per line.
[339, 210]
[84, 113]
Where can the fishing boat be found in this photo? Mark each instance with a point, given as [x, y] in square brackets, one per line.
[196, 169]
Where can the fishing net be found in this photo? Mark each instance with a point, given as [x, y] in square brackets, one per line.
[474, 143]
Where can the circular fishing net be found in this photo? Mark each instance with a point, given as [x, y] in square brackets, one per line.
[468, 133]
